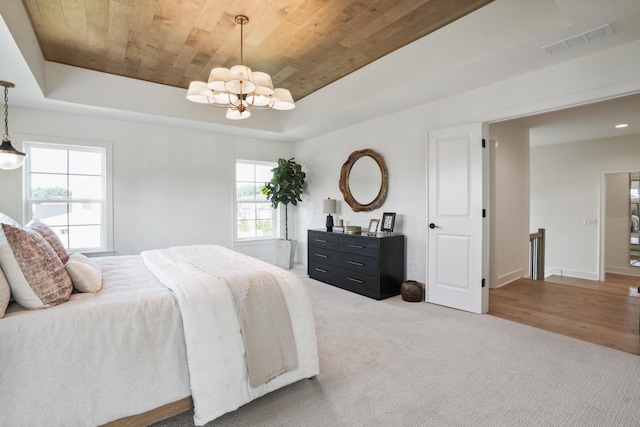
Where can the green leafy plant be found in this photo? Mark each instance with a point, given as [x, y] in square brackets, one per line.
[285, 187]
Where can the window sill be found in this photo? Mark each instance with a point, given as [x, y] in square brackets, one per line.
[91, 254]
[254, 242]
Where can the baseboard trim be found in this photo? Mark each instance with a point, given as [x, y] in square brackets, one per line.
[571, 273]
[505, 279]
[628, 271]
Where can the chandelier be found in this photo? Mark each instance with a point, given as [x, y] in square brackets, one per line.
[238, 89]
[10, 158]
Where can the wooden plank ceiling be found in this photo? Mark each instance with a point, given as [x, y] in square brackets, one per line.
[303, 44]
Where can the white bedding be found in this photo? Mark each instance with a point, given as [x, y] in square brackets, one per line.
[218, 372]
[121, 351]
[98, 357]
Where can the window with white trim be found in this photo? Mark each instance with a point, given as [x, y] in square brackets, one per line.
[67, 187]
[255, 218]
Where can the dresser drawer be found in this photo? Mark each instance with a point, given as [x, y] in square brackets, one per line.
[324, 256]
[358, 246]
[362, 264]
[359, 283]
[324, 272]
[323, 240]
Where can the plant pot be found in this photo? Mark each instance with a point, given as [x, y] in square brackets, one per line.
[286, 251]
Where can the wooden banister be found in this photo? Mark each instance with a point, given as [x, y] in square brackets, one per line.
[536, 255]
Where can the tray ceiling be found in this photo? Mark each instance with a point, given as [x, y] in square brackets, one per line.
[303, 44]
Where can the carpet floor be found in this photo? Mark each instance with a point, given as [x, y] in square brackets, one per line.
[395, 363]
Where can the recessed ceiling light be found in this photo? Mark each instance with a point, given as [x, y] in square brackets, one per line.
[622, 125]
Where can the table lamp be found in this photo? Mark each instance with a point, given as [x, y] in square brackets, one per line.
[329, 207]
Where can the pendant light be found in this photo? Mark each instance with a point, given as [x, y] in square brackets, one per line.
[238, 89]
[10, 158]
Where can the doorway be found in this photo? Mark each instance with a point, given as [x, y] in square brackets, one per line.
[564, 183]
[566, 152]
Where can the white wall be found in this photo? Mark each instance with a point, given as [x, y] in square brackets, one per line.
[403, 149]
[510, 202]
[401, 138]
[566, 189]
[171, 186]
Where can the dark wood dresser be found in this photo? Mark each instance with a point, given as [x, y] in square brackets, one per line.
[368, 265]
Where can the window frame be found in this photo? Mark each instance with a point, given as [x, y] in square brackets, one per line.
[239, 241]
[105, 148]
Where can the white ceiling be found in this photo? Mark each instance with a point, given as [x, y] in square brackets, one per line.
[498, 42]
[591, 121]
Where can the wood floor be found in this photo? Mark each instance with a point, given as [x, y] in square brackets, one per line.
[605, 313]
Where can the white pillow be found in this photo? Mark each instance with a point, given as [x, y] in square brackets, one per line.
[4, 219]
[5, 294]
[5, 290]
[35, 273]
[85, 273]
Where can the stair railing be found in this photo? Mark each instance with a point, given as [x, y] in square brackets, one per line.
[536, 255]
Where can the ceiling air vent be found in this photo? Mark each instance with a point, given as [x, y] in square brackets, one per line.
[580, 39]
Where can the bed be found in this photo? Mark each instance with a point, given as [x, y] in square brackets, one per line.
[165, 330]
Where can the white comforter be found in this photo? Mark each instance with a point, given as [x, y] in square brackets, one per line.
[96, 358]
[215, 350]
[121, 351]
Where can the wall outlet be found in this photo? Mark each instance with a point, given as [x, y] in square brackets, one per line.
[413, 266]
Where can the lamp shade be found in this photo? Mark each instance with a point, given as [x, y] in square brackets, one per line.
[218, 78]
[222, 98]
[233, 114]
[199, 92]
[10, 158]
[240, 80]
[282, 100]
[329, 206]
[264, 89]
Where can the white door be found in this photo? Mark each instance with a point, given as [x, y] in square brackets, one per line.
[456, 225]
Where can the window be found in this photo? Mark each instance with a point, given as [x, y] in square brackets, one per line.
[255, 217]
[67, 188]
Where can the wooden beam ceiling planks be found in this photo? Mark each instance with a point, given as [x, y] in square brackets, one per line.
[303, 44]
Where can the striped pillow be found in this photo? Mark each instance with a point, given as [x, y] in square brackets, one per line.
[35, 273]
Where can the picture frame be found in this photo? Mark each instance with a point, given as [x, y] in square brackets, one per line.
[373, 226]
[388, 222]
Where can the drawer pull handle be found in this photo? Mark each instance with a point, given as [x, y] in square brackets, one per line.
[359, 264]
[355, 246]
[321, 270]
[355, 280]
[321, 255]
[321, 241]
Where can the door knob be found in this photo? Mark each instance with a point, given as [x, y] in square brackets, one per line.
[432, 226]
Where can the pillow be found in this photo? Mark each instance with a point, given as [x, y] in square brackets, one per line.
[4, 285]
[51, 237]
[4, 219]
[36, 275]
[5, 294]
[85, 273]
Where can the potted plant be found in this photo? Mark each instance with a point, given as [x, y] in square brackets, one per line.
[285, 187]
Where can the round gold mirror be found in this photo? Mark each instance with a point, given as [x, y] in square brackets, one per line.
[364, 180]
